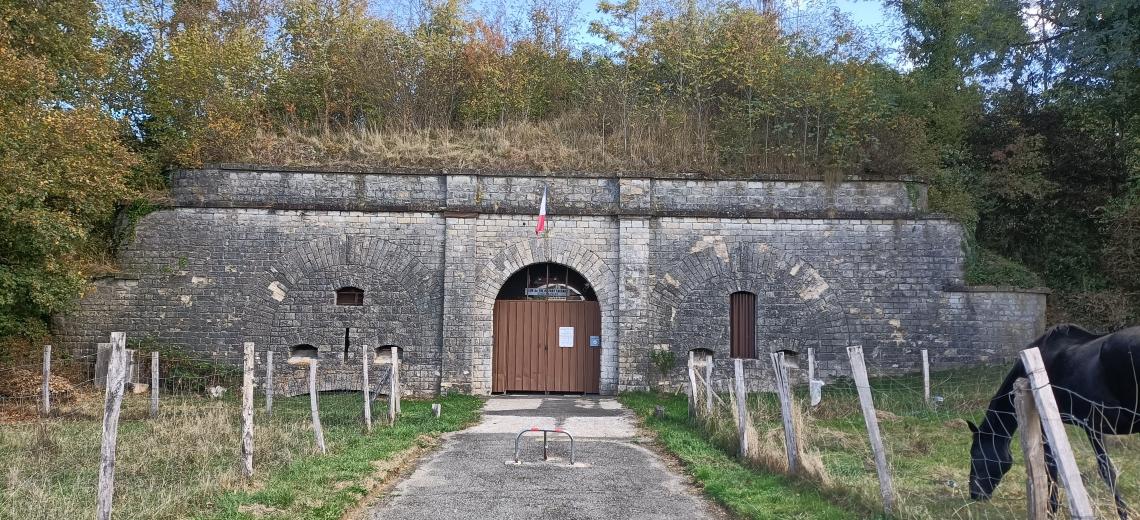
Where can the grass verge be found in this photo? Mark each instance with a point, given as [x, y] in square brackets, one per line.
[185, 464]
[745, 491]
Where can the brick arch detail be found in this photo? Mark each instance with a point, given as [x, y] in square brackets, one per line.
[521, 253]
[264, 295]
[810, 303]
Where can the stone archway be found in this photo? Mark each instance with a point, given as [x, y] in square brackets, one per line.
[547, 332]
[797, 307]
[514, 257]
[293, 302]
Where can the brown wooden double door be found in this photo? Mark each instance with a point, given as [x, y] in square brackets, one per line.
[527, 356]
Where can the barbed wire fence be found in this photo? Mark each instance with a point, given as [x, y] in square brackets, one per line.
[141, 430]
[906, 444]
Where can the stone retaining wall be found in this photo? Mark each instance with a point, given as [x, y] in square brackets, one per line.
[253, 255]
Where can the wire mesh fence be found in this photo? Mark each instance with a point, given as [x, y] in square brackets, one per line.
[172, 456]
[952, 443]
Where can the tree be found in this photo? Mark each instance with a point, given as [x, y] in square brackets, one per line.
[202, 81]
[62, 163]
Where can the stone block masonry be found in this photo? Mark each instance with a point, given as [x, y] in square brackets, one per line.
[257, 255]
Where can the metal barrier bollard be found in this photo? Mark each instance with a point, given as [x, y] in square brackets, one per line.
[544, 432]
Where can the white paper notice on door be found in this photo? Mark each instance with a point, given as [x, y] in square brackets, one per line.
[566, 337]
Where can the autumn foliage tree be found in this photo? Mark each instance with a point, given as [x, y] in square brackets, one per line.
[1023, 122]
[62, 158]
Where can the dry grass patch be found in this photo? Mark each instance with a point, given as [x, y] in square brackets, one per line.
[185, 463]
[567, 143]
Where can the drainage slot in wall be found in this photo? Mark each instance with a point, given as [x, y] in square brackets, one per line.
[346, 343]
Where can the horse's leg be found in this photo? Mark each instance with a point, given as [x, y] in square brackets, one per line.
[1107, 471]
[1051, 467]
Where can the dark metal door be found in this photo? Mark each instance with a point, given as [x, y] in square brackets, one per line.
[527, 356]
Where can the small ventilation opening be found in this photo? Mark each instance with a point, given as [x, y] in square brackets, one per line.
[791, 358]
[346, 342]
[384, 355]
[301, 354]
[351, 296]
[702, 356]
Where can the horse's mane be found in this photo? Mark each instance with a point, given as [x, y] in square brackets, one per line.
[999, 413]
[1063, 335]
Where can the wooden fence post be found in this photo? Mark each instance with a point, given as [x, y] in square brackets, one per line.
[708, 384]
[811, 364]
[46, 390]
[692, 384]
[102, 359]
[393, 368]
[1079, 505]
[741, 406]
[132, 369]
[1029, 426]
[268, 385]
[863, 386]
[112, 403]
[784, 391]
[365, 387]
[815, 387]
[247, 411]
[314, 407]
[925, 377]
[399, 385]
[154, 380]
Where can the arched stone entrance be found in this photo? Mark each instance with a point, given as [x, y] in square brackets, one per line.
[509, 260]
[546, 332]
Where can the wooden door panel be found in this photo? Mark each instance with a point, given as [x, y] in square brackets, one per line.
[573, 369]
[526, 356]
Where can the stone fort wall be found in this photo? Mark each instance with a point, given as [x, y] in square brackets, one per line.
[255, 255]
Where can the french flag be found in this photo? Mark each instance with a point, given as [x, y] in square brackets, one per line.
[541, 214]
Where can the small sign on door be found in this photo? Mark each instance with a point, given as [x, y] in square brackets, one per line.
[595, 341]
[566, 337]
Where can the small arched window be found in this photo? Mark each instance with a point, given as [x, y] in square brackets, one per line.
[742, 325]
[350, 296]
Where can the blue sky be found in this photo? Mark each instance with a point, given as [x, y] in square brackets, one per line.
[863, 12]
[868, 14]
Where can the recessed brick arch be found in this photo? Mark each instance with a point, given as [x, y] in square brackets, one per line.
[402, 299]
[264, 294]
[521, 253]
[797, 307]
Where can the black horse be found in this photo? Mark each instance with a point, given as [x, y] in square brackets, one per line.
[1095, 380]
